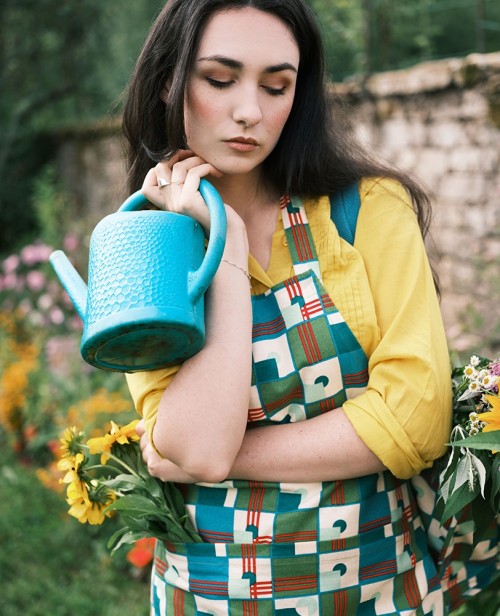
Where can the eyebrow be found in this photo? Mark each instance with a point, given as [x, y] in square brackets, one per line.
[229, 62]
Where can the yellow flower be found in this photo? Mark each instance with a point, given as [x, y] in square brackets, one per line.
[491, 418]
[122, 436]
[71, 442]
[88, 507]
[72, 466]
[77, 491]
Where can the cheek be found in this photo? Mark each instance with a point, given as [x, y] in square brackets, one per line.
[201, 110]
[279, 117]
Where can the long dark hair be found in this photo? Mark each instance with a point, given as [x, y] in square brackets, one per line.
[316, 153]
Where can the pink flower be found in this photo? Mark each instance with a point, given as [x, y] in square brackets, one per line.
[35, 253]
[56, 315]
[10, 281]
[495, 368]
[71, 242]
[35, 280]
[11, 264]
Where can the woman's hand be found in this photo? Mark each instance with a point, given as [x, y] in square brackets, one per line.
[173, 185]
[160, 467]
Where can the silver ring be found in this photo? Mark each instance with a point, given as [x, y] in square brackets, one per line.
[178, 182]
[162, 183]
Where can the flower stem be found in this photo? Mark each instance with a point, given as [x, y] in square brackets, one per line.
[115, 459]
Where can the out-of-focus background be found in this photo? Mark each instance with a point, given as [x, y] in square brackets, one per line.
[420, 85]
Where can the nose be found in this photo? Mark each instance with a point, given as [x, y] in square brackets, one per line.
[247, 108]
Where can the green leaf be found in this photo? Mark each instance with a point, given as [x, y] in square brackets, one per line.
[124, 482]
[461, 473]
[481, 471]
[484, 440]
[495, 480]
[458, 499]
[128, 538]
[139, 504]
[138, 524]
[484, 518]
[154, 487]
[116, 536]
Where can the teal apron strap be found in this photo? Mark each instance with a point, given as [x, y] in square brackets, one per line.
[344, 210]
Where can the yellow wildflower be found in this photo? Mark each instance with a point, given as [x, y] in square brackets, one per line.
[122, 436]
[72, 466]
[491, 418]
[88, 507]
[71, 442]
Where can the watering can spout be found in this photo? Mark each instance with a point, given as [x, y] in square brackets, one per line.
[70, 280]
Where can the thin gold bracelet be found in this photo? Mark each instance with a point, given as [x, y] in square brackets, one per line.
[241, 269]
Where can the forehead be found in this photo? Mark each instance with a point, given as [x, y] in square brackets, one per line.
[249, 34]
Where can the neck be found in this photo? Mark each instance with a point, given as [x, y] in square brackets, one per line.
[245, 193]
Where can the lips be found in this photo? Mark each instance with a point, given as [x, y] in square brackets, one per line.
[242, 145]
[247, 140]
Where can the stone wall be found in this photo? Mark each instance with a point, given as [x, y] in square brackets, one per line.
[441, 122]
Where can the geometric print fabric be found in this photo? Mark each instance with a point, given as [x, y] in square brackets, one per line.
[349, 547]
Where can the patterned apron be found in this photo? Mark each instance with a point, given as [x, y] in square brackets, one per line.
[349, 548]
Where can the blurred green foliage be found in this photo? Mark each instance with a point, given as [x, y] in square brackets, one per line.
[50, 564]
[61, 64]
[365, 36]
[66, 63]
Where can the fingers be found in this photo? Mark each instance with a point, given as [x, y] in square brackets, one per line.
[173, 172]
[140, 428]
[173, 185]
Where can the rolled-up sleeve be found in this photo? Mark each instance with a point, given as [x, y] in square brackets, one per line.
[146, 389]
[405, 414]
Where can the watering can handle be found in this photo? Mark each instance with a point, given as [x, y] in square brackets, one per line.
[202, 277]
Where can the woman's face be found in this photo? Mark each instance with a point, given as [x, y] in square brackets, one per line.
[241, 89]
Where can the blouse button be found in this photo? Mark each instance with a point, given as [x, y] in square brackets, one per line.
[284, 241]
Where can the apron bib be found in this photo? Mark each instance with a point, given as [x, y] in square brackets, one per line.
[350, 548]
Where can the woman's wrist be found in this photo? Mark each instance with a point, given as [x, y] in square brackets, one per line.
[236, 249]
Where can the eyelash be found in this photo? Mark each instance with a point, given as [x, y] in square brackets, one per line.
[221, 85]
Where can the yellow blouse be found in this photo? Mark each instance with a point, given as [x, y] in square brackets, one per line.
[384, 289]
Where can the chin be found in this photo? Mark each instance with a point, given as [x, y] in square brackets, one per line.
[237, 166]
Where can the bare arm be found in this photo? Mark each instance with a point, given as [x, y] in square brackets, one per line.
[325, 448]
[202, 415]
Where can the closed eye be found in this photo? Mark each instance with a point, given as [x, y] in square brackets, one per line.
[275, 91]
[220, 85]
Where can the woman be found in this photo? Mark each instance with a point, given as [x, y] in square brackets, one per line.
[325, 386]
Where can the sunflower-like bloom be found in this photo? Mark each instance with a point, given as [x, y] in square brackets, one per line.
[73, 465]
[122, 436]
[71, 442]
[88, 506]
[491, 418]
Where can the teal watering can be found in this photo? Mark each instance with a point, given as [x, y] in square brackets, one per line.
[148, 271]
